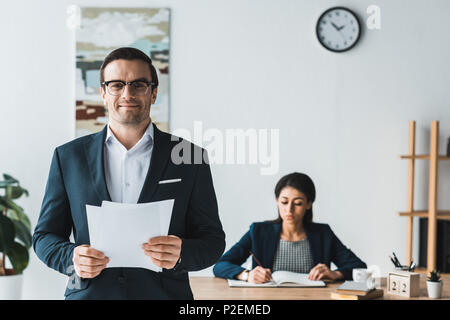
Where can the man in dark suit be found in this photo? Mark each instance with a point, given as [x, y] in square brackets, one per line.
[130, 161]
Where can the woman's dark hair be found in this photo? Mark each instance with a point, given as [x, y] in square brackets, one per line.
[302, 183]
[128, 53]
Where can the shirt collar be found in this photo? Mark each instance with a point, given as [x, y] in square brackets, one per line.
[149, 133]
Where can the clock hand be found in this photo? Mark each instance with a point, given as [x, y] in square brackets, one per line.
[339, 30]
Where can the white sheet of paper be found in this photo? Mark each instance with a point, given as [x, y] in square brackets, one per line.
[119, 230]
[164, 208]
[245, 284]
[94, 223]
[281, 279]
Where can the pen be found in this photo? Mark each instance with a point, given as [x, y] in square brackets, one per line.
[398, 262]
[393, 261]
[257, 261]
[410, 266]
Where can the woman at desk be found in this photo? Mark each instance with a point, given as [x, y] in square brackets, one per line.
[292, 242]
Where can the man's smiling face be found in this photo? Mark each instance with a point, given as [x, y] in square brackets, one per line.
[128, 108]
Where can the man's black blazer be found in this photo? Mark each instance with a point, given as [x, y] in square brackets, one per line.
[77, 178]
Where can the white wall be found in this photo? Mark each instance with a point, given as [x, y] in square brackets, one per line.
[343, 118]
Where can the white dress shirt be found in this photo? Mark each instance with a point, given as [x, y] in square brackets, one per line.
[126, 170]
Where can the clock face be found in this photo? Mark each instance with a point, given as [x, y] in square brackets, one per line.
[338, 29]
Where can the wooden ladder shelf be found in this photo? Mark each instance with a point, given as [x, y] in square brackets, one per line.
[432, 213]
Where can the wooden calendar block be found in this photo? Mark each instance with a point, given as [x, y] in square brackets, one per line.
[403, 283]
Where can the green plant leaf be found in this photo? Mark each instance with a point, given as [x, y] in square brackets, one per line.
[22, 233]
[8, 192]
[19, 214]
[7, 233]
[8, 177]
[19, 257]
[15, 217]
[6, 183]
[17, 192]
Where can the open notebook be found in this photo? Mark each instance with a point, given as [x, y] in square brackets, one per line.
[281, 279]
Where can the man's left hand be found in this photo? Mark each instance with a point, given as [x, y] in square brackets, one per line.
[164, 250]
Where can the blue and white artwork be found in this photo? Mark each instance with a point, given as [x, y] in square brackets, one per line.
[102, 30]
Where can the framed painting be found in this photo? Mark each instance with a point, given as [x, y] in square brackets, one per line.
[102, 30]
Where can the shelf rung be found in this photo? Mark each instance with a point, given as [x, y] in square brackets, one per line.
[441, 214]
[423, 214]
[423, 156]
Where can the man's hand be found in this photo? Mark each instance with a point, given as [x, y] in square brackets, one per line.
[260, 275]
[164, 250]
[322, 272]
[88, 262]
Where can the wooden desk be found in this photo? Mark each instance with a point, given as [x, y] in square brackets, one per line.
[209, 288]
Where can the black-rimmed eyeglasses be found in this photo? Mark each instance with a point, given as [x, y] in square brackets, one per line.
[138, 87]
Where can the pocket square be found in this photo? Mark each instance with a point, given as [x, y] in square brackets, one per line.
[169, 181]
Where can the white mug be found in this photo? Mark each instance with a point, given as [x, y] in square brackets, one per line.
[361, 275]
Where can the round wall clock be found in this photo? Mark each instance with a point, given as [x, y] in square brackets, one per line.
[338, 29]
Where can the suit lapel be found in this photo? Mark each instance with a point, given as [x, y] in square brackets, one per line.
[160, 156]
[271, 244]
[94, 156]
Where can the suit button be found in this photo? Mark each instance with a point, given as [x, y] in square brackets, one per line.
[121, 279]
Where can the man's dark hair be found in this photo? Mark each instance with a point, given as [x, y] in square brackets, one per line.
[128, 53]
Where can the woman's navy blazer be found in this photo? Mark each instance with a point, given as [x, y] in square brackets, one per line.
[263, 238]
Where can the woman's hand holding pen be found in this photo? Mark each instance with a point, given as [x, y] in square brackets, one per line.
[257, 275]
[260, 275]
